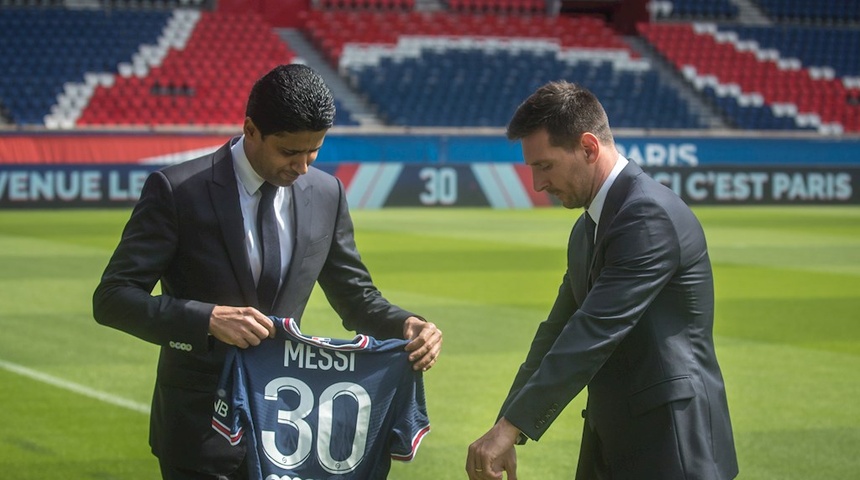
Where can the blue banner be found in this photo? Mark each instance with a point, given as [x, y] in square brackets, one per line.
[646, 151]
[497, 185]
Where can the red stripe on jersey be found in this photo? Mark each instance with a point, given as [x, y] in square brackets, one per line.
[416, 442]
[233, 438]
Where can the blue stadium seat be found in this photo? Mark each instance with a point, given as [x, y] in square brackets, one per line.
[833, 11]
[462, 87]
[342, 116]
[763, 76]
[45, 48]
[749, 117]
[814, 46]
[703, 9]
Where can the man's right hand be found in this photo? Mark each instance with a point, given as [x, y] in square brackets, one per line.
[240, 326]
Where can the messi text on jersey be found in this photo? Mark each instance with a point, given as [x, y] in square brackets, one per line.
[302, 355]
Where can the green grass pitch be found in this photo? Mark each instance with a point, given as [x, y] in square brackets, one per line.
[787, 333]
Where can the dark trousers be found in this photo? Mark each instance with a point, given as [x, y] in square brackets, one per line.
[169, 472]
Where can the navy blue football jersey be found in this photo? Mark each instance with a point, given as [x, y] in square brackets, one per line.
[312, 408]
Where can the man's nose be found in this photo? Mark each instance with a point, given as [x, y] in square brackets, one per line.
[539, 182]
[301, 164]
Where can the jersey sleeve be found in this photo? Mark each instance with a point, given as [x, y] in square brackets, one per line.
[412, 422]
[230, 400]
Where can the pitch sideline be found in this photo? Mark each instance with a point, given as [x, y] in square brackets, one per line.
[75, 387]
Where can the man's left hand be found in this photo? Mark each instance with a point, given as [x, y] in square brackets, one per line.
[494, 453]
[425, 343]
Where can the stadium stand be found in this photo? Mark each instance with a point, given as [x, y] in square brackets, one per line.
[330, 30]
[508, 7]
[202, 78]
[372, 5]
[767, 86]
[46, 50]
[443, 88]
[151, 63]
[448, 69]
[814, 46]
[695, 9]
[833, 11]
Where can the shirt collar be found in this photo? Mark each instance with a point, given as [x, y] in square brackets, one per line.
[249, 179]
[596, 208]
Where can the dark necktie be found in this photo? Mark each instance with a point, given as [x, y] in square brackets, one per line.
[590, 226]
[270, 249]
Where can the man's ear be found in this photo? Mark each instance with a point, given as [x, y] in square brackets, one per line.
[591, 145]
[248, 128]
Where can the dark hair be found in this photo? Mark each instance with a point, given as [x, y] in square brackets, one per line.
[290, 98]
[566, 110]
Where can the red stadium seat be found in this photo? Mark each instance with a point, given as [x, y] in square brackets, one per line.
[205, 83]
[682, 46]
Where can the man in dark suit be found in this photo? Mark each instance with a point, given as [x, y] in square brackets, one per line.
[633, 320]
[197, 230]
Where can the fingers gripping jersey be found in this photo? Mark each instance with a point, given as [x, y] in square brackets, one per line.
[312, 408]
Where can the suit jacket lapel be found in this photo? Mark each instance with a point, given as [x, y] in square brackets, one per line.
[302, 191]
[614, 199]
[224, 194]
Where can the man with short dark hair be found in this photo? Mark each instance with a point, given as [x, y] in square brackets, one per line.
[202, 229]
[633, 319]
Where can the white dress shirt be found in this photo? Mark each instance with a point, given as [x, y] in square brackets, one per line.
[596, 208]
[249, 198]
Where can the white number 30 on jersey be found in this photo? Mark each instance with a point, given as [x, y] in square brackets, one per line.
[305, 441]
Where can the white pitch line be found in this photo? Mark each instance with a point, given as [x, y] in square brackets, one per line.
[75, 387]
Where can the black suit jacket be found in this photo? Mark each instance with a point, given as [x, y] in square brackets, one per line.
[635, 326]
[187, 232]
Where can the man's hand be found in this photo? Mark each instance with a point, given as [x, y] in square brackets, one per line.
[494, 453]
[425, 343]
[240, 326]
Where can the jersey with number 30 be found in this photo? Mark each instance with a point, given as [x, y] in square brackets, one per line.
[312, 408]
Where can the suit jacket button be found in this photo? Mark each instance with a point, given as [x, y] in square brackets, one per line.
[583, 413]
